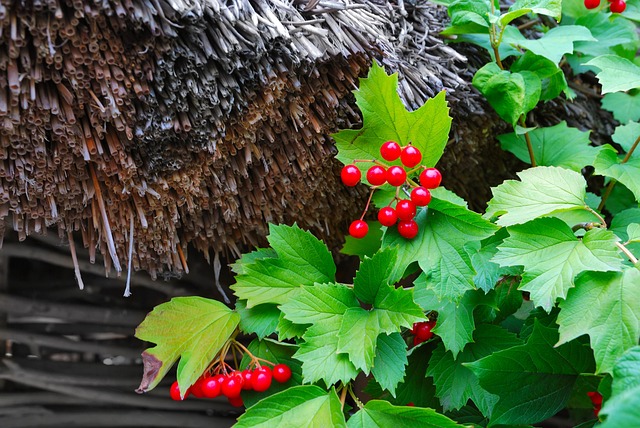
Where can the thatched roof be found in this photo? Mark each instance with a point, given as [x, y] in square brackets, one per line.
[193, 121]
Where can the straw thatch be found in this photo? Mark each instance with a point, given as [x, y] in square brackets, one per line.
[147, 125]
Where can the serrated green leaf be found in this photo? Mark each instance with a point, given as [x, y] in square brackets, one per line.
[288, 330]
[633, 232]
[319, 354]
[624, 106]
[622, 220]
[505, 91]
[386, 118]
[376, 273]
[608, 163]
[302, 251]
[533, 381]
[416, 388]
[557, 145]
[551, 8]
[552, 256]
[390, 361]
[468, 16]
[445, 230]
[248, 258]
[551, 76]
[487, 272]
[606, 307]
[299, 406]
[542, 191]
[621, 410]
[455, 383]
[627, 135]
[320, 303]
[378, 413]
[190, 328]
[261, 320]
[277, 353]
[617, 73]
[557, 42]
[366, 246]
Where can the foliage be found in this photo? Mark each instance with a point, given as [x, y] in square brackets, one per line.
[534, 300]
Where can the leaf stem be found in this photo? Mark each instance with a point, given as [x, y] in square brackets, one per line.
[627, 253]
[613, 182]
[366, 208]
[527, 139]
[603, 222]
[343, 396]
[494, 40]
[355, 398]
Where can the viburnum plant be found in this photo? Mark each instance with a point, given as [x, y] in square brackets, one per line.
[497, 319]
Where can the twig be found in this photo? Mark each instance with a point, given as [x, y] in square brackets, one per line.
[74, 257]
[127, 288]
[105, 220]
[627, 253]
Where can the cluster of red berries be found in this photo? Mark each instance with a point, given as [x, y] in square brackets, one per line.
[616, 6]
[232, 384]
[379, 174]
[596, 399]
[421, 331]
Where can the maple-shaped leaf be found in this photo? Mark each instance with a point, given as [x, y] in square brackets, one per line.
[455, 383]
[301, 259]
[390, 361]
[261, 319]
[605, 306]
[299, 406]
[376, 273]
[609, 164]
[617, 73]
[385, 118]
[532, 381]
[442, 246]
[553, 256]
[190, 328]
[557, 145]
[380, 413]
[542, 191]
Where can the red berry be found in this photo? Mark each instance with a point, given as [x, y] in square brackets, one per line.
[596, 397]
[196, 388]
[261, 380]
[236, 401]
[420, 196]
[408, 229]
[174, 392]
[591, 4]
[410, 404]
[423, 331]
[410, 156]
[232, 385]
[405, 209]
[247, 376]
[390, 151]
[377, 175]
[350, 175]
[430, 178]
[387, 216]
[211, 387]
[281, 373]
[617, 6]
[358, 229]
[396, 176]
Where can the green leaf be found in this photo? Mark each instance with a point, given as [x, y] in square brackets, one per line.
[557, 145]
[488, 273]
[505, 91]
[454, 382]
[302, 251]
[376, 273]
[624, 106]
[610, 165]
[277, 353]
[557, 42]
[323, 302]
[300, 406]
[379, 413]
[302, 259]
[366, 246]
[385, 118]
[626, 135]
[606, 307]
[551, 76]
[390, 361]
[621, 410]
[617, 74]
[261, 320]
[551, 8]
[455, 321]
[441, 246]
[552, 256]
[468, 16]
[633, 232]
[288, 330]
[249, 258]
[533, 381]
[190, 328]
[623, 220]
[542, 191]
